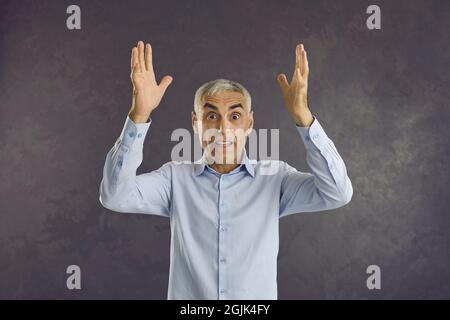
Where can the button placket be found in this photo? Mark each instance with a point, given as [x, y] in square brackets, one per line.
[222, 238]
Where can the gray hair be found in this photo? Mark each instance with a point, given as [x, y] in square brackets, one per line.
[211, 87]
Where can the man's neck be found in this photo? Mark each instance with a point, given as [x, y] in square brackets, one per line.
[224, 168]
[228, 167]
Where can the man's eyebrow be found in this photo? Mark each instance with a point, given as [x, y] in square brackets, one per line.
[236, 106]
[208, 105]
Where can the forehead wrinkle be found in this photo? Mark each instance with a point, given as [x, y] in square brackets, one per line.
[212, 105]
[230, 107]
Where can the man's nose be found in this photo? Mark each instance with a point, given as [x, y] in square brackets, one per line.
[225, 127]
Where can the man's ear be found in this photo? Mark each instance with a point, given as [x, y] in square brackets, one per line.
[194, 124]
[249, 130]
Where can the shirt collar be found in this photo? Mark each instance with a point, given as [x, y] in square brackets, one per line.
[200, 165]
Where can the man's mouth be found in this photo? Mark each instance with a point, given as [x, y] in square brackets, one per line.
[224, 143]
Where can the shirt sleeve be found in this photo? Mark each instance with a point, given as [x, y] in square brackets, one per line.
[327, 187]
[121, 190]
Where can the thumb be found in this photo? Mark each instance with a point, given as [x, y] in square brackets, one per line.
[165, 82]
[282, 81]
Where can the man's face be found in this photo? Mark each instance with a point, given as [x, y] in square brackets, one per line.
[228, 112]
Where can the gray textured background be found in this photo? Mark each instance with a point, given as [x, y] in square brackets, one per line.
[382, 96]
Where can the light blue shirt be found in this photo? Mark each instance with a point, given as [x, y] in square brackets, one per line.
[224, 227]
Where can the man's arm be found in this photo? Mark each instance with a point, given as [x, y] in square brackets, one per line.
[120, 189]
[327, 187]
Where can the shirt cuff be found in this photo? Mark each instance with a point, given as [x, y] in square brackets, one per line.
[133, 134]
[313, 136]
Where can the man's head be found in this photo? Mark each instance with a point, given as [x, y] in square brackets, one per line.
[222, 118]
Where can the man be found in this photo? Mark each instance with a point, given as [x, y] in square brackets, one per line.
[224, 209]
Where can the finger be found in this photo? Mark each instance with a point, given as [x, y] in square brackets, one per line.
[134, 58]
[296, 77]
[305, 64]
[141, 56]
[298, 61]
[148, 57]
[165, 82]
[282, 81]
[298, 56]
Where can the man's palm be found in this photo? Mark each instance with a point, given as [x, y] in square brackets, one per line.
[147, 94]
[295, 93]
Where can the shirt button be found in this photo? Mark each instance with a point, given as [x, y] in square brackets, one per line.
[139, 135]
[119, 163]
[131, 134]
[222, 204]
[223, 229]
[316, 136]
[222, 291]
[223, 260]
[307, 138]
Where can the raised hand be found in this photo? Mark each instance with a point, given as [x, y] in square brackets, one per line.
[147, 94]
[295, 94]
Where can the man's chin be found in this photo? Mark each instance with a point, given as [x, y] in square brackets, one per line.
[224, 157]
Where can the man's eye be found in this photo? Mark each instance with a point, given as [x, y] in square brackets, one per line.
[211, 116]
[236, 116]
